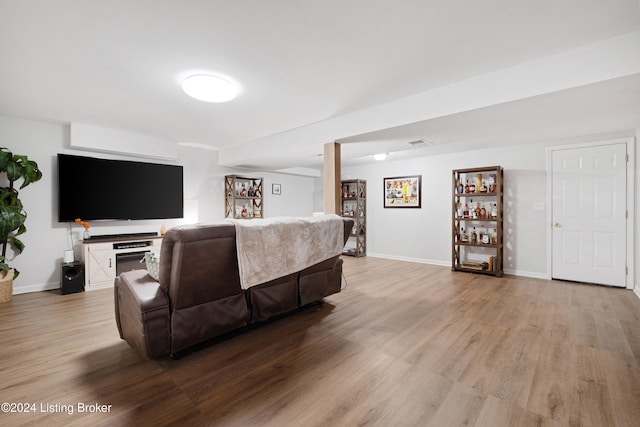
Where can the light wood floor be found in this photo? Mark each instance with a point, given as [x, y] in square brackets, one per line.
[404, 344]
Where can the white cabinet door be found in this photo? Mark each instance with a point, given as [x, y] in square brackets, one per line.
[589, 214]
[102, 266]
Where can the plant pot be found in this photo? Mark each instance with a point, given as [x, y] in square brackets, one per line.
[6, 286]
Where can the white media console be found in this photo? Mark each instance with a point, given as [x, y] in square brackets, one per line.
[106, 257]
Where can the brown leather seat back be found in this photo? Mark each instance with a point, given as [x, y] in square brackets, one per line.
[199, 264]
[199, 267]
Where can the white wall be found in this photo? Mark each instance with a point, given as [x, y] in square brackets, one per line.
[46, 239]
[415, 234]
[204, 181]
[425, 234]
[295, 199]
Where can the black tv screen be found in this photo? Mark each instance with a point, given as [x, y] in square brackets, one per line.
[101, 189]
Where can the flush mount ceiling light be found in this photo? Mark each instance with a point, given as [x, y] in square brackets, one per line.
[209, 88]
[380, 156]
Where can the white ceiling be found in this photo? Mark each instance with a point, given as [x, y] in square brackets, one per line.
[119, 64]
[601, 110]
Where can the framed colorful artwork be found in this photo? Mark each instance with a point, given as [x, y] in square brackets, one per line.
[403, 192]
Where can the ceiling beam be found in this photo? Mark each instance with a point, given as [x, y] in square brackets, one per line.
[597, 62]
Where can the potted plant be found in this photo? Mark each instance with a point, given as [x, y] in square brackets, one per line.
[13, 167]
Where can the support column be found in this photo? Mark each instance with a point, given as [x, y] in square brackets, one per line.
[331, 178]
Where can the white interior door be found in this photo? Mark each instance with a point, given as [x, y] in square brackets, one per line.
[589, 210]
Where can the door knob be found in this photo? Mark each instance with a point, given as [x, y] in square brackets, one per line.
[556, 224]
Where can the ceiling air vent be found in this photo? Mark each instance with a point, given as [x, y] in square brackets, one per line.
[420, 143]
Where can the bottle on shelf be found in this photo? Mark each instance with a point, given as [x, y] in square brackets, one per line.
[465, 211]
[464, 237]
[460, 188]
[494, 211]
[483, 188]
[485, 236]
[472, 187]
[478, 211]
[483, 213]
[474, 236]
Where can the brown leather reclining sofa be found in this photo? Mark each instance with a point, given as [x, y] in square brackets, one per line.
[199, 297]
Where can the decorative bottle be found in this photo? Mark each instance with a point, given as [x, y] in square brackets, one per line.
[485, 236]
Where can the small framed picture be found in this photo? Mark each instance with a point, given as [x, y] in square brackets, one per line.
[276, 189]
[403, 192]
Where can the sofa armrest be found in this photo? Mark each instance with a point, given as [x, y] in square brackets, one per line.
[142, 313]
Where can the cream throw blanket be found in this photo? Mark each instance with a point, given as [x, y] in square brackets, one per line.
[275, 247]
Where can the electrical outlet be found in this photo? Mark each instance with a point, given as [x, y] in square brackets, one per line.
[538, 206]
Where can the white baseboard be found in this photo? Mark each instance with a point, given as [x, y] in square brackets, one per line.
[35, 288]
[531, 274]
[521, 273]
[410, 259]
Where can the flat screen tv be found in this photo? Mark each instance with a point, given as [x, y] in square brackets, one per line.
[102, 189]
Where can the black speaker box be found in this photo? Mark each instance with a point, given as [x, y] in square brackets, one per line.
[71, 278]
